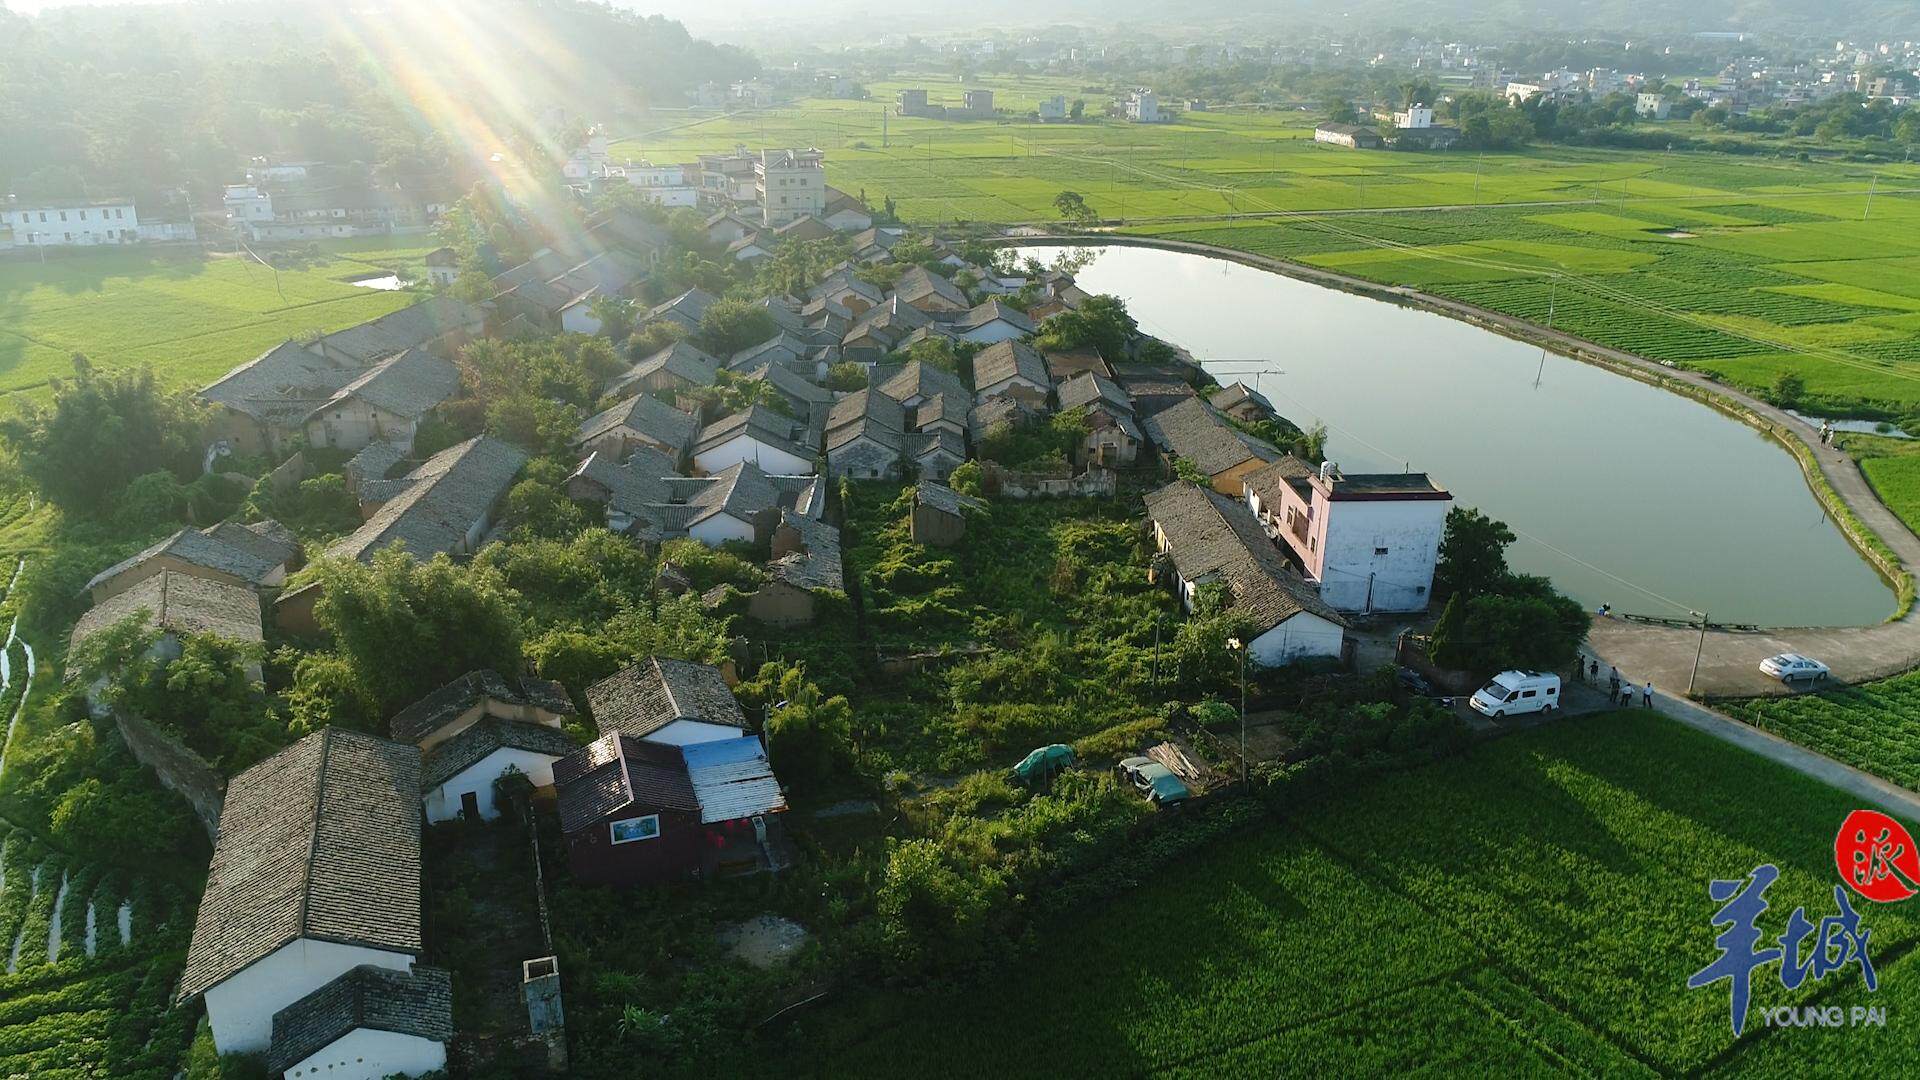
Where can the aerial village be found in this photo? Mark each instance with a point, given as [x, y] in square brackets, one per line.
[309, 944]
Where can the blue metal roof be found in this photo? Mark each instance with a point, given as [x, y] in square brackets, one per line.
[732, 779]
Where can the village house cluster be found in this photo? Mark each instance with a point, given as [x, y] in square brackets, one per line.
[308, 945]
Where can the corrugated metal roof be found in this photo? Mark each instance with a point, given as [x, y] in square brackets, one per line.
[732, 779]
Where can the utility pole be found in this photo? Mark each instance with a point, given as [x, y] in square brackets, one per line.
[1872, 182]
[1702, 647]
[883, 128]
[1240, 647]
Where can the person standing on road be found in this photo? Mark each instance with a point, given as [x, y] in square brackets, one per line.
[1646, 695]
[1593, 673]
[1613, 684]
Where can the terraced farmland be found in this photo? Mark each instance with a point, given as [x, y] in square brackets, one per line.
[91, 958]
[1534, 908]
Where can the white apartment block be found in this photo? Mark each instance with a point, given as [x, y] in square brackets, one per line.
[67, 222]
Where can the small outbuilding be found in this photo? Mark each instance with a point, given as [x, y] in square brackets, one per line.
[940, 514]
[370, 1023]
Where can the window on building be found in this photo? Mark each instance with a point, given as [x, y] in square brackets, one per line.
[1379, 551]
[83, 215]
[632, 830]
[63, 215]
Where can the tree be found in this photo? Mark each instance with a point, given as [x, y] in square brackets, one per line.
[1447, 647]
[1077, 109]
[1473, 553]
[101, 431]
[808, 733]
[410, 627]
[1340, 110]
[731, 325]
[1788, 389]
[1529, 627]
[1100, 321]
[615, 314]
[1072, 206]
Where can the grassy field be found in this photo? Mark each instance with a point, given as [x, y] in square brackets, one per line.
[189, 317]
[1532, 908]
[1744, 266]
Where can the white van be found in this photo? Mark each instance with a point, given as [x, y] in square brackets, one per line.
[1512, 693]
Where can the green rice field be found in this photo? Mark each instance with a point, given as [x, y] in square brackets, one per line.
[1532, 908]
[1743, 266]
[191, 318]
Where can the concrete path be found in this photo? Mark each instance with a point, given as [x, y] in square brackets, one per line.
[1729, 662]
[1869, 789]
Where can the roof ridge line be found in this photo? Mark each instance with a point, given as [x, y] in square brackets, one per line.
[313, 834]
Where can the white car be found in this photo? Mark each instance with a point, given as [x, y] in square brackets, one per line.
[1791, 667]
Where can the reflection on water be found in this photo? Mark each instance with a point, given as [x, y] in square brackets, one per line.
[1622, 493]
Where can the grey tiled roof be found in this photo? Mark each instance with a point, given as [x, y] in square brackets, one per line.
[678, 359]
[182, 604]
[282, 385]
[467, 749]
[1091, 389]
[643, 698]
[215, 549]
[1238, 393]
[417, 1002]
[943, 498]
[430, 713]
[405, 384]
[796, 388]
[914, 379]
[996, 413]
[404, 329]
[651, 417]
[761, 424]
[1196, 431]
[785, 347]
[993, 310]
[321, 840]
[1209, 533]
[616, 772]
[1286, 469]
[817, 565]
[687, 309]
[452, 491]
[1007, 359]
[374, 461]
[920, 283]
[843, 282]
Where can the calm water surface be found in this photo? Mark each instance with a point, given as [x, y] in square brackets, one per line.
[1621, 493]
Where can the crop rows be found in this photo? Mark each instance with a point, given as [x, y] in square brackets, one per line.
[1875, 727]
[1534, 907]
[66, 1012]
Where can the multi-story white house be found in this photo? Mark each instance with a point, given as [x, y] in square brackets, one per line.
[1414, 116]
[1369, 540]
[789, 184]
[1143, 107]
[1651, 106]
[67, 222]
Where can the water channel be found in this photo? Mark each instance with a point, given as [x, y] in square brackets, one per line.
[1621, 493]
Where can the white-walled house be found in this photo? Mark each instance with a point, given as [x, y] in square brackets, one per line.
[774, 442]
[458, 775]
[370, 1023]
[1370, 540]
[667, 701]
[316, 872]
[1210, 539]
[67, 222]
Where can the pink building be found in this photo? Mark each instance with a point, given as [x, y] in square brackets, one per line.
[1369, 540]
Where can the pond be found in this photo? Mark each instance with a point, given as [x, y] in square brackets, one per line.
[1621, 493]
